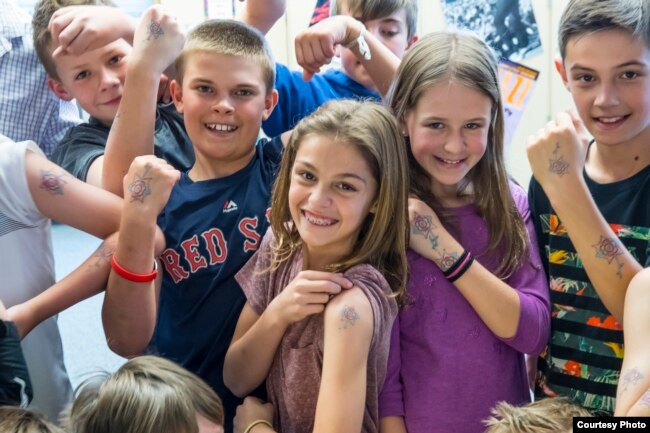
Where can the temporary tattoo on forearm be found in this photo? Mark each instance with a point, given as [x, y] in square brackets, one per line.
[349, 317]
[423, 225]
[557, 164]
[610, 250]
[103, 254]
[630, 378]
[52, 182]
[140, 187]
[155, 30]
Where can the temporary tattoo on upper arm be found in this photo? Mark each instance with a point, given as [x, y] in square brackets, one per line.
[52, 182]
[630, 378]
[349, 317]
[610, 250]
[155, 30]
[140, 187]
[103, 254]
[557, 164]
[423, 225]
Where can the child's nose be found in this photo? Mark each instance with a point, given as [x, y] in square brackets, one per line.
[607, 95]
[223, 106]
[319, 197]
[455, 142]
[109, 79]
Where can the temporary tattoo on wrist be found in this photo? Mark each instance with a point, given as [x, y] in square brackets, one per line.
[557, 164]
[447, 260]
[155, 30]
[630, 378]
[52, 182]
[349, 317]
[610, 250]
[103, 254]
[423, 225]
[140, 187]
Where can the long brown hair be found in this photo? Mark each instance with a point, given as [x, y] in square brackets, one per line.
[465, 59]
[372, 130]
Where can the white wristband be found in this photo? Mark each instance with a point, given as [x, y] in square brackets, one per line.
[364, 49]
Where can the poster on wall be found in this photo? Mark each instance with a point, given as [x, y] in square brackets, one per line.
[517, 82]
[508, 26]
[321, 11]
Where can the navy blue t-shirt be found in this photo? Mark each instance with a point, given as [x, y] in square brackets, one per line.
[299, 98]
[211, 229]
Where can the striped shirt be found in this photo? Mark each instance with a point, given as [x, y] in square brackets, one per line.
[28, 109]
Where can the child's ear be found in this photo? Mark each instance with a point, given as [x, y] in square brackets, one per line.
[411, 41]
[57, 87]
[270, 101]
[176, 91]
[559, 67]
[373, 208]
[403, 129]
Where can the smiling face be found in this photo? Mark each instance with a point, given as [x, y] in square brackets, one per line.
[448, 130]
[95, 79]
[391, 30]
[608, 75]
[224, 101]
[331, 192]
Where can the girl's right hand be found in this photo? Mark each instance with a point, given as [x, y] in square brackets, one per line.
[307, 294]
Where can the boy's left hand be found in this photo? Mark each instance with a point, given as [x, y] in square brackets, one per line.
[316, 46]
[557, 153]
[251, 410]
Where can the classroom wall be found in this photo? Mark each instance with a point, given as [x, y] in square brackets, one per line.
[548, 97]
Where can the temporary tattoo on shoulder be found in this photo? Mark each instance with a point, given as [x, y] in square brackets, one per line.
[447, 260]
[52, 182]
[557, 164]
[103, 254]
[349, 317]
[630, 378]
[610, 250]
[140, 187]
[155, 30]
[423, 225]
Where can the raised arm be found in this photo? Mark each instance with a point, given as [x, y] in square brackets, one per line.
[156, 44]
[317, 45]
[262, 14]
[557, 157]
[129, 310]
[257, 337]
[60, 196]
[633, 393]
[519, 314]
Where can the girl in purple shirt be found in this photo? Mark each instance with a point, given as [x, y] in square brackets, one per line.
[478, 299]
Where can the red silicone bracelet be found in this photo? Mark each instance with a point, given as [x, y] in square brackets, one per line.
[130, 276]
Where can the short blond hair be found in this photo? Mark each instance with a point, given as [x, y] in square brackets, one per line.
[550, 415]
[229, 37]
[147, 394]
[43, 38]
[17, 420]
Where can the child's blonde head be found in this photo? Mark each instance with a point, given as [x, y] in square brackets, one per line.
[17, 420]
[550, 415]
[146, 395]
[373, 132]
[229, 37]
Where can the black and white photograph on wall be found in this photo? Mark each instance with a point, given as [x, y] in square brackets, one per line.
[508, 26]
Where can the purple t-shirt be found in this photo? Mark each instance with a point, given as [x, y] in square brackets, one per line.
[294, 379]
[446, 369]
